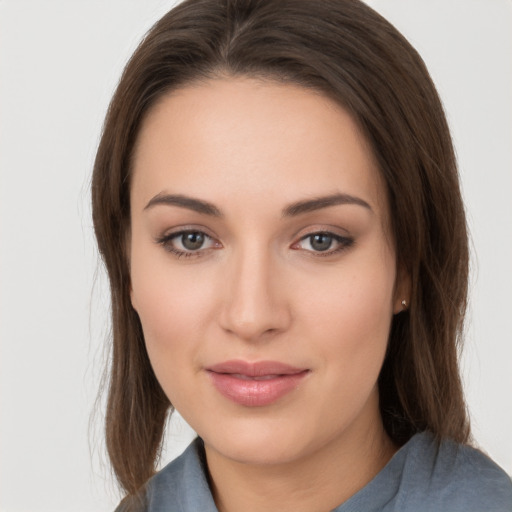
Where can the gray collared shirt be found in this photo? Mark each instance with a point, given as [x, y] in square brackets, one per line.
[421, 477]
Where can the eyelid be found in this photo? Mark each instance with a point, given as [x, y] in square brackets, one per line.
[321, 228]
[186, 228]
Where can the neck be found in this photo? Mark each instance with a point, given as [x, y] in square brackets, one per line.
[318, 481]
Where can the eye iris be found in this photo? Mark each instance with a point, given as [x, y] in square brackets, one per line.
[192, 241]
[321, 242]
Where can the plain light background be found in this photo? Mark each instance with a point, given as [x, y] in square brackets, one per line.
[59, 63]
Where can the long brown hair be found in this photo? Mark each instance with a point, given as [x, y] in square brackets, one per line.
[350, 53]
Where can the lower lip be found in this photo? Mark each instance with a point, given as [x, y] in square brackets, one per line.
[255, 393]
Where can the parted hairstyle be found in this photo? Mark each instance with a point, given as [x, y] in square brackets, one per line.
[345, 50]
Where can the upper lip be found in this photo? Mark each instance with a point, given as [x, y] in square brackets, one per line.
[255, 369]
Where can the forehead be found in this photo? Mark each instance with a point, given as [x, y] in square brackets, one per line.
[253, 139]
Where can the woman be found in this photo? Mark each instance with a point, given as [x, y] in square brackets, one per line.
[276, 200]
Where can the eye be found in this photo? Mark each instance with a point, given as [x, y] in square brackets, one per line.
[192, 241]
[323, 242]
[187, 243]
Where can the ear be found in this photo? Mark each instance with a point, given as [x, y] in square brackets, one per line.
[402, 295]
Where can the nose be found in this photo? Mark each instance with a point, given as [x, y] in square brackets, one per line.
[255, 305]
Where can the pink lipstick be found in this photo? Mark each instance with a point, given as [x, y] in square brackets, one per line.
[255, 384]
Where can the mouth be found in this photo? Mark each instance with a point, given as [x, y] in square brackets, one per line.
[255, 384]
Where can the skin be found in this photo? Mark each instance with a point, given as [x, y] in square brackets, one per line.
[258, 288]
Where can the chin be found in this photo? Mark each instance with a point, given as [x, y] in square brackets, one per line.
[261, 442]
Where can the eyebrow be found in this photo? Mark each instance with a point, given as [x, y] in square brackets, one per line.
[292, 210]
[317, 203]
[196, 205]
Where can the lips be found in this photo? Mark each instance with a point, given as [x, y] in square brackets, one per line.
[255, 384]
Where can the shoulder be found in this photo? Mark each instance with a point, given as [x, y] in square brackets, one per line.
[455, 477]
[181, 486]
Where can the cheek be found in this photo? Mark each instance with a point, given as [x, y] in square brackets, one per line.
[351, 316]
[352, 331]
[164, 307]
[173, 306]
[165, 295]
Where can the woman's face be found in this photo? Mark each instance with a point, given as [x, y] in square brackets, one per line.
[262, 267]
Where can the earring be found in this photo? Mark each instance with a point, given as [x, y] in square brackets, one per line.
[404, 304]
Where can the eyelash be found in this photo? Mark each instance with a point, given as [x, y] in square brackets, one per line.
[343, 242]
[166, 241]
